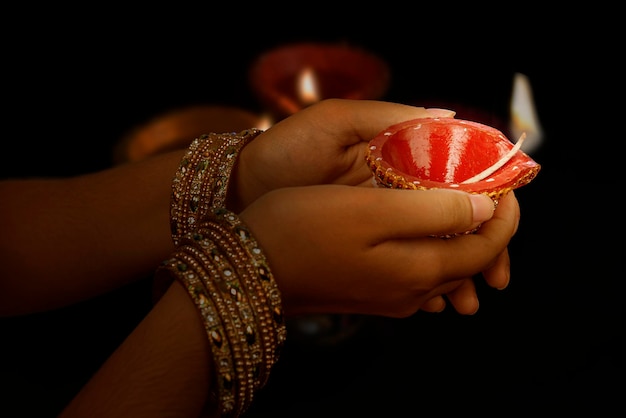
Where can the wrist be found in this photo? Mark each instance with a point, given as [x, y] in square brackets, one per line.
[202, 180]
[244, 187]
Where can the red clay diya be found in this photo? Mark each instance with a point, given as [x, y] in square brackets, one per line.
[449, 153]
[339, 70]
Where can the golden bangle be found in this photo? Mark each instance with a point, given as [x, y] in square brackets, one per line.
[226, 274]
[201, 181]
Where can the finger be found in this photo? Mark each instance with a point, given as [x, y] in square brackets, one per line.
[339, 130]
[441, 260]
[398, 214]
[499, 274]
[464, 298]
[506, 216]
[366, 118]
[469, 254]
[436, 304]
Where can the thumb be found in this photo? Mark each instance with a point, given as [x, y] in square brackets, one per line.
[410, 213]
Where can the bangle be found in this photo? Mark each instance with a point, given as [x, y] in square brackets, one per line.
[201, 181]
[226, 274]
[200, 184]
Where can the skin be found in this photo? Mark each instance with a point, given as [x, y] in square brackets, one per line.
[335, 244]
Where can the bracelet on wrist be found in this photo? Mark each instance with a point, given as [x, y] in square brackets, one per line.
[224, 270]
[226, 274]
[201, 181]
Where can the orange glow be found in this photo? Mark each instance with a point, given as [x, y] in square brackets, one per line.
[264, 122]
[308, 91]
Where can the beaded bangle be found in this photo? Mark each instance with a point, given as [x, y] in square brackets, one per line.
[226, 274]
[201, 181]
[223, 269]
[258, 281]
[214, 315]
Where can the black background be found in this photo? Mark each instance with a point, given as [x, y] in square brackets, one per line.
[75, 81]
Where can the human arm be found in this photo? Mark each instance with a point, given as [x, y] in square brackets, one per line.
[324, 143]
[163, 368]
[286, 221]
[69, 239]
[373, 251]
[389, 268]
[113, 226]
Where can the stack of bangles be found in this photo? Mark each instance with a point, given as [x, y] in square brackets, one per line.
[224, 271]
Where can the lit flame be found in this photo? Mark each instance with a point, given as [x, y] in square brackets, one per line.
[524, 115]
[264, 122]
[307, 87]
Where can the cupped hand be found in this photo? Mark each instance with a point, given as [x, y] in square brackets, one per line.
[343, 249]
[462, 293]
[325, 143]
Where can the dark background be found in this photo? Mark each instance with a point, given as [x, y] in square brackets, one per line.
[551, 343]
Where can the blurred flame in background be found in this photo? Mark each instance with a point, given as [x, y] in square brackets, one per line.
[265, 122]
[308, 91]
[524, 117]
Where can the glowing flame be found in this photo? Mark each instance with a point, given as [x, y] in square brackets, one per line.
[264, 123]
[307, 87]
[524, 117]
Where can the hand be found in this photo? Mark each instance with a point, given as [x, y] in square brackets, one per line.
[342, 249]
[463, 292]
[325, 143]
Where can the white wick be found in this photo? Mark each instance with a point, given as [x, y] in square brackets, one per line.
[490, 170]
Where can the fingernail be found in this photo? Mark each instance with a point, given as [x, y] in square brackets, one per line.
[441, 113]
[482, 206]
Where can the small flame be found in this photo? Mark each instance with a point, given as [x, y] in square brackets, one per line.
[264, 123]
[307, 87]
[524, 119]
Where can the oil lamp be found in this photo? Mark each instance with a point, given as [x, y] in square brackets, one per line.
[289, 78]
